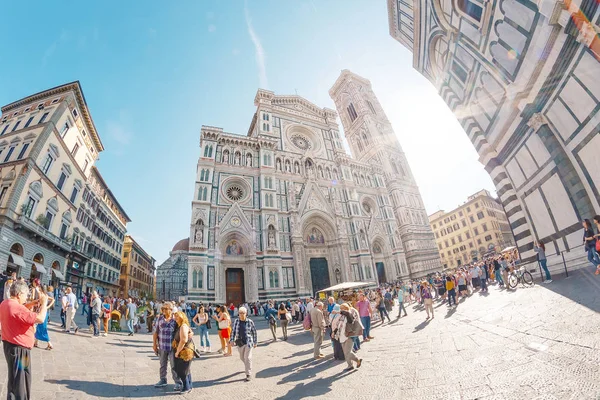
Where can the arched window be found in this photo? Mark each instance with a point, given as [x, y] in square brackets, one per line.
[328, 173]
[273, 279]
[194, 279]
[206, 148]
[359, 145]
[470, 8]
[352, 112]
[200, 279]
[210, 151]
[335, 174]
[394, 167]
[366, 138]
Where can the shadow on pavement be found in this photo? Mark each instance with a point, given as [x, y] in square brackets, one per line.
[422, 325]
[275, 371]
[219, 381]
[582, 286]
[310, 371]
[315, 388]
[450, 312]
[109, 390]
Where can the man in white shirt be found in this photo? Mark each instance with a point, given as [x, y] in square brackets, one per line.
[310, 305]
[70, 307]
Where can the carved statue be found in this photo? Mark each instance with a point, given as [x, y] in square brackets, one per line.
[199, 235]
[278, 165]
[237, 159]
[248, 160]
[271, 242]
[297, 168]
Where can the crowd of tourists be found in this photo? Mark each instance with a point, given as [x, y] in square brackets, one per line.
[344, 320]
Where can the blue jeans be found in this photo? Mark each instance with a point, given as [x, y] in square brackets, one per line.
[451, 296]
[83, 308]
[593, 257]
[130, 325]
[204, 335]
[356, 342]
[545, 268]
[187, 382]
[499, 277]
[366, 321]
[95, 322]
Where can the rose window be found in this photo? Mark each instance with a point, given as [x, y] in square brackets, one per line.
[235, 193]
[301, 142]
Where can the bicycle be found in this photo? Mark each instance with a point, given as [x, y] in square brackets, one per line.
[520, 275]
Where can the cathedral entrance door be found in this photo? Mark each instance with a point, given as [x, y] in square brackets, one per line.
[234, 286]
[319, 273]
[380, 272]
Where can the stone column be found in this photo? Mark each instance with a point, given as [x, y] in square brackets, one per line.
[251, 282]
[299, 263]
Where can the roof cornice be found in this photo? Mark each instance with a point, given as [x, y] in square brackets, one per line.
[75, 87]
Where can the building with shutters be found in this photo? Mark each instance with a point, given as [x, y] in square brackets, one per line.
[284, 211]
[521, 76]
[472, 230]
[48, 147]
[138, 270]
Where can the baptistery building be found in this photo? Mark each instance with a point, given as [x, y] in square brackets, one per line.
[284, 211]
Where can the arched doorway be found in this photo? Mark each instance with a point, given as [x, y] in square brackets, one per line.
[15, 259]
[377, 250]
[37, 268]
[320, 249]
[236, 251]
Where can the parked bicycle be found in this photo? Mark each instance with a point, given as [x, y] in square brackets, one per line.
[520, 275]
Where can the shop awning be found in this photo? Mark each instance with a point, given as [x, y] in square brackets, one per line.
[58, 274]
[40, 268]
[17, 259]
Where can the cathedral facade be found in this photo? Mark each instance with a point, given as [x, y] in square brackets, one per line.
[284, 211]
[521, 77]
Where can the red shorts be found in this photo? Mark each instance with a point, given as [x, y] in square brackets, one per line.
[225, 333]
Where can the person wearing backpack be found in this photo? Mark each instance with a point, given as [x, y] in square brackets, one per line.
[271, 316]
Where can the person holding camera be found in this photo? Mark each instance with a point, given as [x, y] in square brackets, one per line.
[243, 335]
[17, 323]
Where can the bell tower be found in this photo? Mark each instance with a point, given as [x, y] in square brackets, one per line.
[372, 140]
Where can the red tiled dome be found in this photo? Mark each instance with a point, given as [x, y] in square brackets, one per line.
[182, 245]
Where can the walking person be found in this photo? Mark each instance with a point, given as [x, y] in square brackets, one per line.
[202, 320]
[540, 249]
[427, 299]
[17, 323]
[283, 321]
[318, 328]
[401, 303]
[225, 329]
[41, 330]
[95, 311]
[498, 273]
[589, 241]
[184, 351]
[484, 275]
[451, 291]
[130, 315]
[381, 308]
[70, 308]
[364, 310]
[243, 334]
[270, 315]
[349, 327]
[162, 336]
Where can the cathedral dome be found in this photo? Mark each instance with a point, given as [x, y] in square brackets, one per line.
[182, 245]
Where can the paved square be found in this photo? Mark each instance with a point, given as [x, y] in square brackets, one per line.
[531, 343]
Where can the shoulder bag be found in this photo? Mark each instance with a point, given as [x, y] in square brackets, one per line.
[223, 324]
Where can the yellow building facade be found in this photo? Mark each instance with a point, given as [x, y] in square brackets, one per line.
[137, 271]
[472, 230]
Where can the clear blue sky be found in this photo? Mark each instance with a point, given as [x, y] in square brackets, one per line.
[154, 72]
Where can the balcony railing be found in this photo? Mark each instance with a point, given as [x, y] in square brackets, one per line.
[34, 227]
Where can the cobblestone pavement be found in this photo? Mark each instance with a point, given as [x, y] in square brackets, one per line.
[531, 343]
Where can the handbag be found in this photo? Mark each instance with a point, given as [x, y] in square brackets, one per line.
[288, 316]
[223, 324]
[239, 342]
